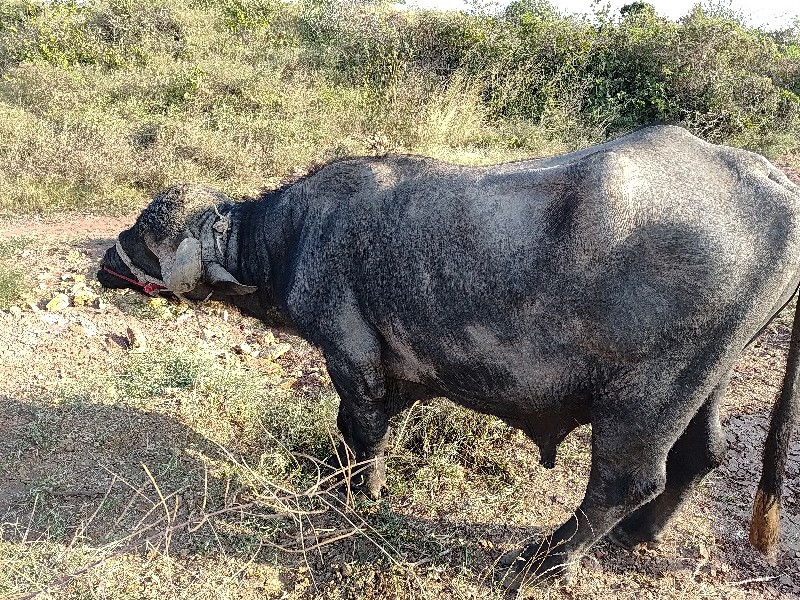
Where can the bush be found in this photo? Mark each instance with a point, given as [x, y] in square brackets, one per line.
[606, 75]
[734, 85]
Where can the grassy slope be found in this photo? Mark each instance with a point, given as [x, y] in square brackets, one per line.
[103, 103]
[195, 100]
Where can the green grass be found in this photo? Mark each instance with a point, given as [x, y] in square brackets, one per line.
[246, 411]
[238, 407]
[12, 280]
[11, 286]
[216, 431]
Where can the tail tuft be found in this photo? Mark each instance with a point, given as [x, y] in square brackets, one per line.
[765, 526]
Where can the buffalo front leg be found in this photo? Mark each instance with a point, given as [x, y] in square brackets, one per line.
[697, 452]
[364, 426]
[365, 430]
[362, 421]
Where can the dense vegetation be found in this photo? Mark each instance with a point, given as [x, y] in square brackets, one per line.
[105, 101]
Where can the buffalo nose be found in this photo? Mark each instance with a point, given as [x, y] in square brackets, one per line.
[103, 277]
[109, 261]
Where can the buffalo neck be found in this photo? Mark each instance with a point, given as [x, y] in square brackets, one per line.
[259, 250]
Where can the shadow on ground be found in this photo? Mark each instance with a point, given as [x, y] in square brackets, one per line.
[102, 474]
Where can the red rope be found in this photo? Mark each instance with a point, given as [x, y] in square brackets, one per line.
[147, 288]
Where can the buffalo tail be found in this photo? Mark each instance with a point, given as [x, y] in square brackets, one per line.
[765, 526]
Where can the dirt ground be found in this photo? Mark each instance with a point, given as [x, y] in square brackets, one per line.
[55, 454]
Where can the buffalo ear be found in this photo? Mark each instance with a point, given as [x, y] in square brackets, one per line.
[225, 283]
[187, 268]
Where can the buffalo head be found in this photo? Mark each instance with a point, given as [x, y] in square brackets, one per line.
[179, 244]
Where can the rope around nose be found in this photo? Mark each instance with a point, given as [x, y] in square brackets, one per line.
[147, 288]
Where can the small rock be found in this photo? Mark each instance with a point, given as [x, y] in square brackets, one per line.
[52, 319]
[89, 328]
[16, 311]
[59, 302]
[703, 550]
[247, 349]
[83, 328]
[276, 351]
[590, 563]
[82, 295]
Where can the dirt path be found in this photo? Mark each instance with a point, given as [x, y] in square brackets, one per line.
[65, 227]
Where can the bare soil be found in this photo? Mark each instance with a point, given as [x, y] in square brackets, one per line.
[63, 459]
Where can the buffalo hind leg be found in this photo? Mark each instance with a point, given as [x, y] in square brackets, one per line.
[616, 487]
[697, 452]
[631, 441]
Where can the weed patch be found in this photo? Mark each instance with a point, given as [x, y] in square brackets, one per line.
[11, 286]
[12, 280]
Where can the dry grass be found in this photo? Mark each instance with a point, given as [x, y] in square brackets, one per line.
[118, 101]
[223, 112]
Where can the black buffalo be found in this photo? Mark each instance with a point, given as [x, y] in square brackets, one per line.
[614, 286]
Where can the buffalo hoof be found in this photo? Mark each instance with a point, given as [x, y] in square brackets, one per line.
[533, 566]
[370, 487]
[630, 541]
[362, 480]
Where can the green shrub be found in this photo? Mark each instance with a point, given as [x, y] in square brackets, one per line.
[58, 32]
[732, 84]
